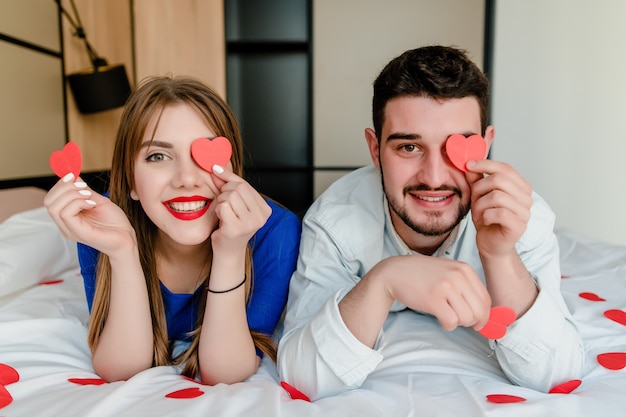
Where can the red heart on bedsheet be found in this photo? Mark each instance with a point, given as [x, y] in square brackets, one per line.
[87, 381]
[461, 149]
[66, 161]
[8, 375]
[499, 318]
[504, 398]
[186, 393]
[5, 397]
[590, 296]
[51, 282]
[208, 152]
[294, 393]
[618, 316]
[566, 387]
[612, 360]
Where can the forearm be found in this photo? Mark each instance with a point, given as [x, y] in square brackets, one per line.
[226, 352]
[365, 308]
[126, 343]
[509, 283]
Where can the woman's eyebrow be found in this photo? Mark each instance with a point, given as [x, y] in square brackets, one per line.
[157, 143]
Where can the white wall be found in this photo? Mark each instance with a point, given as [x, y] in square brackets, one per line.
[559, 107]
[352, 41]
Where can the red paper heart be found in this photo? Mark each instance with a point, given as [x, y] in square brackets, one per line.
[460, 149]
[499, 318]
[590, 296]
[617, 316]
[87, 381]
[612, 360]
[5, 397]
[66, 161]
[504, 399]
[51, 282]
[8, 375]
[294, 393]
[566, 387]
[209, 152]
[186, 393]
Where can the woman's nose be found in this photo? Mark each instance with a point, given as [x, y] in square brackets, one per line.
[188, 173]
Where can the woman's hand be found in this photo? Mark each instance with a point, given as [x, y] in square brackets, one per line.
[240, 210]
[87, 217]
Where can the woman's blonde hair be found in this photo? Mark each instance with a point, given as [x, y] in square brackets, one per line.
[146, 102]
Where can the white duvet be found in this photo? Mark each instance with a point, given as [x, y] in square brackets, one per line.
[45, 365]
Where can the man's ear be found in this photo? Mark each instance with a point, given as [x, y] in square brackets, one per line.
[490, 134]
[373, 146]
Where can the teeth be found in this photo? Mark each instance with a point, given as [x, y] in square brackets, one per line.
[432, 199]
[187, 206]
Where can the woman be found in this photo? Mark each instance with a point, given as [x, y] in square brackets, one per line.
[182, 266]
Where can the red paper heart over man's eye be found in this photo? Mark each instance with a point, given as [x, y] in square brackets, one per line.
[499, 318]
[209, 152]
[66, 161]
[460, 149]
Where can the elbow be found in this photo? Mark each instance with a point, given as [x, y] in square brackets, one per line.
[112, 371]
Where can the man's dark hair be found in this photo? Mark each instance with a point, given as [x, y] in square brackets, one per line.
[437, 72]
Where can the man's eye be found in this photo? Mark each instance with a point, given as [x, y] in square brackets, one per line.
[409, 147]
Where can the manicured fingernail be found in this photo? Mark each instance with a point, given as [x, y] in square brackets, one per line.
[91, 202]
[68, 177]
[85, 192]
[218, 169]
[80, 184]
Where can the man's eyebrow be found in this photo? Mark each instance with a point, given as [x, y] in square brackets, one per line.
[156, 143]
[404, 136]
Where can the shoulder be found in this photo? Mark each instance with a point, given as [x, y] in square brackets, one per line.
[541, 224]
[282, 227]
[351, 211]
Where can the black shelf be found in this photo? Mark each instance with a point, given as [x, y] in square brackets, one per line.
[268, 77]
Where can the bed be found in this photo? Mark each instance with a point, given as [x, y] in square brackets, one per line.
[45, 366]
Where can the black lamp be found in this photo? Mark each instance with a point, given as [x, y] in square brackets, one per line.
[102, 87]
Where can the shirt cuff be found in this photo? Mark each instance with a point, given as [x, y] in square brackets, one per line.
[349, 359]
[538, 331]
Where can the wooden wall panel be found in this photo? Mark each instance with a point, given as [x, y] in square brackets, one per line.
[108, 28]
[181, 37]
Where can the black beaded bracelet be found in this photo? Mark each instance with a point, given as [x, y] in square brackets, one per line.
[225, 291]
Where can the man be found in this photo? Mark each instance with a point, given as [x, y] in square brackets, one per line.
[414, 232]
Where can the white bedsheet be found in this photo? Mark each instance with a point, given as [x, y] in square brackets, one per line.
[43, 343]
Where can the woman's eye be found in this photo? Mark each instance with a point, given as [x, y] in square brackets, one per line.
[156, 157]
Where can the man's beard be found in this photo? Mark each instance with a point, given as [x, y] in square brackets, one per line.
[432, 227]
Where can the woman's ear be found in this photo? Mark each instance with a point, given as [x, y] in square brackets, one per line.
[373, 146]
[134, 195]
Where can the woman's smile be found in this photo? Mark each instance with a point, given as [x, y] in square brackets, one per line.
[188, 208]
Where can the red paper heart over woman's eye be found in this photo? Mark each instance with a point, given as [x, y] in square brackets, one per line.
[499, 318]
[66, 161]
[209, 152]
[460, 149]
